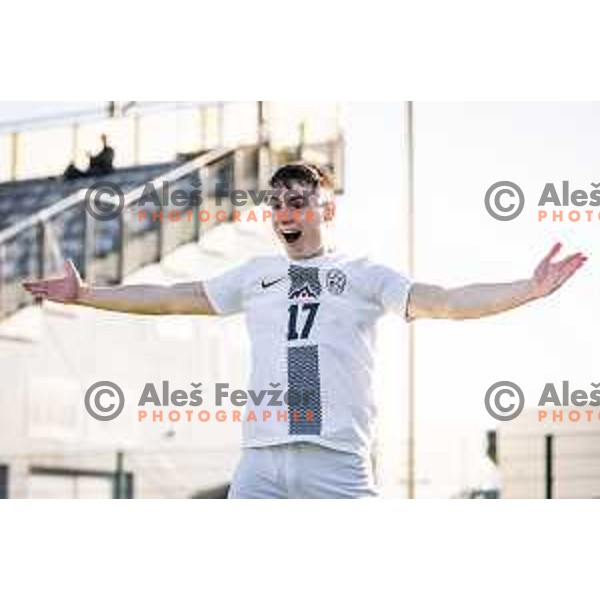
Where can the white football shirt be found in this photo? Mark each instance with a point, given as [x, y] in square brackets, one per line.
[312, 333]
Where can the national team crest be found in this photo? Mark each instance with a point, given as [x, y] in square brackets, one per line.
[336, 281]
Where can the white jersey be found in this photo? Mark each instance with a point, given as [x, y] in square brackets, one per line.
[312, 333]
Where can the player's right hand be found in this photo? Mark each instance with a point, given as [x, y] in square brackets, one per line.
[63, 289]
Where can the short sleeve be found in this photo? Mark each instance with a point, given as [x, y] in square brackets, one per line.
[391, 288]
[225, 291]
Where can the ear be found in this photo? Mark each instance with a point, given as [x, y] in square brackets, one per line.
[329, 210]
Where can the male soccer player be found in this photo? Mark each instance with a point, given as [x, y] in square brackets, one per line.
[311, 318]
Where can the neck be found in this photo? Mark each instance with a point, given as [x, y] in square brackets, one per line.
[319, 252]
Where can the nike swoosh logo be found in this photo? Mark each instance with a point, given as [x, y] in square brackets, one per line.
[270, 283]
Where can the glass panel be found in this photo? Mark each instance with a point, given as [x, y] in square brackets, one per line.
[212, 128]
[189, 130]
[158, 137]
[44, 152]
[240, 123]
[5, 156]
[309, 122]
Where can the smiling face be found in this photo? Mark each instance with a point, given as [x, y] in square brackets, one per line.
[301, 210]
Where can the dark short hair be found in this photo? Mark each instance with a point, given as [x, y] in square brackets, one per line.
[303, 173]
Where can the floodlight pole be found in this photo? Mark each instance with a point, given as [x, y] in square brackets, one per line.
[264, 153]
[410, 240]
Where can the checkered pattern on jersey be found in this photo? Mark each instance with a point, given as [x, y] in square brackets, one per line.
[304, 282]
[304, 391]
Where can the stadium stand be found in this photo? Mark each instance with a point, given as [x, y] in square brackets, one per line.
[44, 221]
[20, 199]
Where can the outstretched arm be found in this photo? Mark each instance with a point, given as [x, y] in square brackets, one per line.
[480, 300]
[180, 298]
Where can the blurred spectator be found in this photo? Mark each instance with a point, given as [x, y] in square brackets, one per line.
[100, 164]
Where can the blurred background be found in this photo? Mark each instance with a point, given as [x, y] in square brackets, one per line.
[411, 180]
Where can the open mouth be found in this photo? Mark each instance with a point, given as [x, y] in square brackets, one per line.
[290, 236]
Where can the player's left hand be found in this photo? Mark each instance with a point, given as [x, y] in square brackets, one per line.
[549, 276]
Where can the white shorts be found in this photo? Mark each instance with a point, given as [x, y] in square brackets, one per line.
[301, 470]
